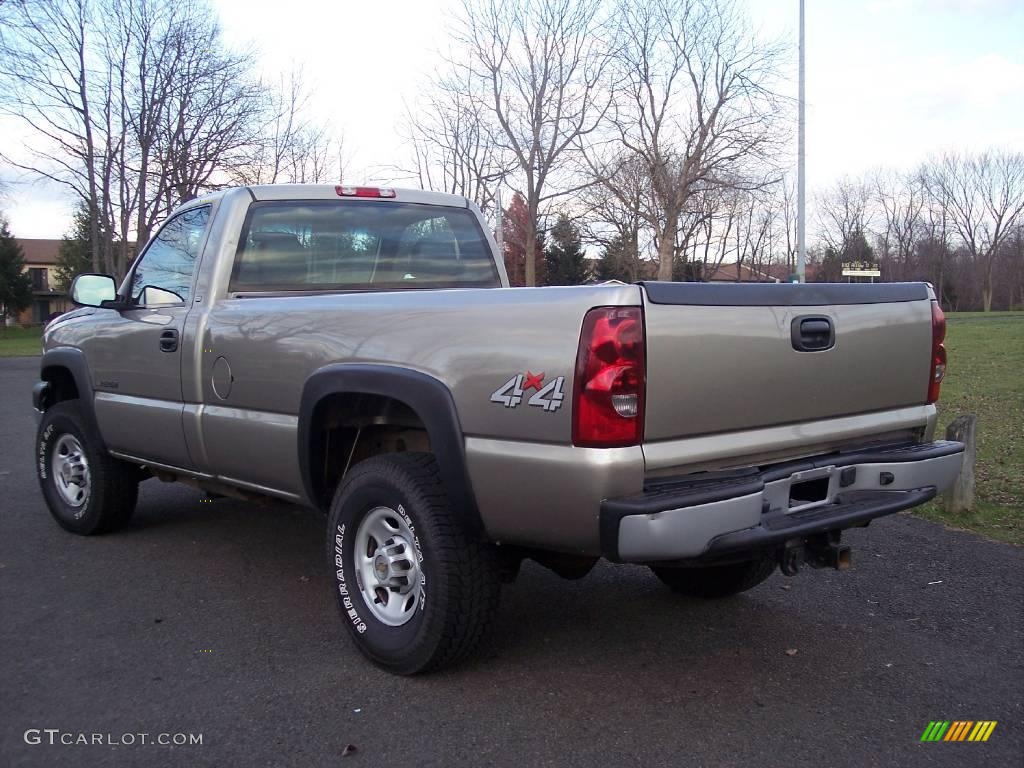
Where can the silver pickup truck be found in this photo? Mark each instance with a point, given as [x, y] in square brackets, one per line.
[358, 350]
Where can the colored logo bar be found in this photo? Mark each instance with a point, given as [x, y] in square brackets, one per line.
[958, 730]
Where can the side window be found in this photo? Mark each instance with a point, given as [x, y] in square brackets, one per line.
[164, 275]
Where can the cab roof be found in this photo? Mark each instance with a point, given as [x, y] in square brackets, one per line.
[331, 192]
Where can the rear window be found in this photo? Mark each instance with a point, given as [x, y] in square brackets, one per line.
[360, 245]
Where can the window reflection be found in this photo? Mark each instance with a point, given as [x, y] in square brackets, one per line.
[313, 245]
[170, 260]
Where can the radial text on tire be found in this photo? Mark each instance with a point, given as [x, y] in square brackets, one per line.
[416, 587]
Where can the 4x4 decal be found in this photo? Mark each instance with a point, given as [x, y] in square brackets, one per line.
[547, 396]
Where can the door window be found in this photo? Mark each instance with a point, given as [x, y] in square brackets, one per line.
[164, 274]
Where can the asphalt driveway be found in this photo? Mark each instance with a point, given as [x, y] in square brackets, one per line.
[216, 618]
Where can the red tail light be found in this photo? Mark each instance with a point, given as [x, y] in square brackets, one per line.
[938, 367]
[608, 394]
[363, 191]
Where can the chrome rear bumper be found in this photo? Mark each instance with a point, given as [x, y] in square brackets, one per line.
[717, 514]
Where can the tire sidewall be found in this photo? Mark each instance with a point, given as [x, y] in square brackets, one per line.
[409, 645]
[55, 423]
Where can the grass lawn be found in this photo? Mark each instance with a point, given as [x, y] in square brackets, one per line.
[20, 342]
[986, 357]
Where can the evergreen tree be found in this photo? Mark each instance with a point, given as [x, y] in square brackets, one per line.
[74, 258]
[613, 264]
[856, 250]
[15, 284]
[565, 260]
[830, 267]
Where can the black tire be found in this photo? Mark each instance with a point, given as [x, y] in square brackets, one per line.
[459, 574]
[112, 487]
[715, 581]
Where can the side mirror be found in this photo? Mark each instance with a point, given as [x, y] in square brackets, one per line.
[93, 290]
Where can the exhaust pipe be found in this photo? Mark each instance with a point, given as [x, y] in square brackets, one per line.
[791, 557]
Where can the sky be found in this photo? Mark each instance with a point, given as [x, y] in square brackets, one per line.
[889, 82]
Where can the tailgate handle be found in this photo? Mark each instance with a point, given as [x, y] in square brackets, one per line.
[813, 333]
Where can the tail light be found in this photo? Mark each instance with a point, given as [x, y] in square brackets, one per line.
[938, 367]
[608, 394]
[363, 191]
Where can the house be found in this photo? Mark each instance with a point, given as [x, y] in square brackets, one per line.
[41, 264]
[738, 273]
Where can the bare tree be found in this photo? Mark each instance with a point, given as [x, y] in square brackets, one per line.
[613, 208]
[47, 82]
[713, 220]
[287, 145]
[933, 248]
[754, 232]
[983, 197]
[212, 114]
[134, 105]
[693, 102]
[452, 136]
[539, 62]
[901, 201]
[845, 213]
[787, 221]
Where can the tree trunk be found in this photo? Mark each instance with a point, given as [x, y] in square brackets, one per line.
[530, 255]
[633, 249]
[529, 260]
[90, 160]
[986, 292]
[667, 247]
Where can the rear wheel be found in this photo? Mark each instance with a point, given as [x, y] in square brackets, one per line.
[87, 490]
[715, 581]
[416, 589]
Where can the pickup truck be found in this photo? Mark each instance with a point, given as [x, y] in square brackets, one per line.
[358, 350]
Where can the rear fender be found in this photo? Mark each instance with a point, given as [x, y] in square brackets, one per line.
[426, 396]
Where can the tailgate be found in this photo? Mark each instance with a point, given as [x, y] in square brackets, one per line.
[725, 357]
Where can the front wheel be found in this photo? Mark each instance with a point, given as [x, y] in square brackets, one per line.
[715, 581]
[416, 588]
[86, 489]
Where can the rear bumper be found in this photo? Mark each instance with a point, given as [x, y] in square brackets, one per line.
[718, 514]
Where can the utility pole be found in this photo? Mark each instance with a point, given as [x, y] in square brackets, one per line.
[499, 235]
[801, 191]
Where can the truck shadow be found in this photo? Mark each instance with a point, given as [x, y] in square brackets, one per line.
[773, 641]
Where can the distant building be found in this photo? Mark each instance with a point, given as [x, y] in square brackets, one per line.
[738, 273]
[41, 264]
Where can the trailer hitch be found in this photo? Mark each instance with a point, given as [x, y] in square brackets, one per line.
[819, 551]
[825, 551]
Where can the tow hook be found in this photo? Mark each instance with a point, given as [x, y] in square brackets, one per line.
[825, 551]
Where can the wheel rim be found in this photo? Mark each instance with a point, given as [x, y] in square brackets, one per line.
[70, 471]
[387, 567]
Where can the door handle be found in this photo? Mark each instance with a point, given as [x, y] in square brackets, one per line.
[169, 340]
[812, 333]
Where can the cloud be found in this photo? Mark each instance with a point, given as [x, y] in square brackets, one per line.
[967, 7]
